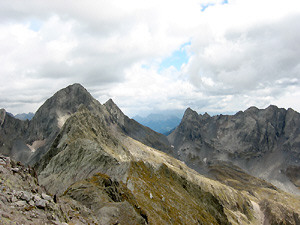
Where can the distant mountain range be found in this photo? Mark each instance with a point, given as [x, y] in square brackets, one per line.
[101, 167]
[160, 123]
[24, 116]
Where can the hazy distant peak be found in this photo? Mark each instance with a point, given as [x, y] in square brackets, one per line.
[25, 116]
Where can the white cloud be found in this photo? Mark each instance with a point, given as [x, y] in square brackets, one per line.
[248, 48]
[242, 53]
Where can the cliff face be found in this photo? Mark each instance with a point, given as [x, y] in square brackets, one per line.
[137, 131]
[108, 172]
[265, 143]
[28, 141]
[103, 168]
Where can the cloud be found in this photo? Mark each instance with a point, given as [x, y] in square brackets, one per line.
[239, 53]
[251, 54]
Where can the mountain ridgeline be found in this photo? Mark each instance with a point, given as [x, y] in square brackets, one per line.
[27, 141]
[101, 167]
[265, 143]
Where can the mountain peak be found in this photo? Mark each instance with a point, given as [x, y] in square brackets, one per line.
[69, 99]
[110, 102]
[272, 107]
[112, 106]
[189, 114]
[51, 116]
[115, 111]
[74, 90]
[205, 115]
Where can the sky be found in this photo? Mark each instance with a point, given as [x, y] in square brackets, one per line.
[152, 56]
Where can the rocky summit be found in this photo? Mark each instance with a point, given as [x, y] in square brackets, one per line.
[82, 162]
[263, 142]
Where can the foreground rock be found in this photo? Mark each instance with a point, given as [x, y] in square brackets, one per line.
[23, 201]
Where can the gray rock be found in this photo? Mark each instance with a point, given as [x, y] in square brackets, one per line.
[46, 197]
[2, 116]
[20, 203]
[25, 196]
[31, 202]
[36, 198]
[2, 161]
[13, 199]
[15, 170]
[2, 169]
[41, 204]
[3, 198]
[260, 141]
[5, 215]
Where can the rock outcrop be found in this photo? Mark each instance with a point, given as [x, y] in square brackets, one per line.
[265, 142]
[28, 141]
[135, 130]
[87, 161]
[2, 116]
[96, 166]
[23, 201]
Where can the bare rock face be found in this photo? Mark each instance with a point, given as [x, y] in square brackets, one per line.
[23, 201]
[263, 142]
[51, 116]
[28, 141]
[2, 116]
[12, 132]
[97, 166]
[91, 164]
[135, 130]
[123, 181]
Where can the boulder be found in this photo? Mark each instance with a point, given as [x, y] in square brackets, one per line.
[46, 197]
[25, 196]
[20, 203]
[41, 204]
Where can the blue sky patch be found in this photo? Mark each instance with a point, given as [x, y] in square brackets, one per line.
[177, 58]
[205, 6]
[35, 25]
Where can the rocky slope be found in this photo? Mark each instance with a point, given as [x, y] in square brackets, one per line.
[265, 143]
[28, 141]
[12, 132]
[99, 167]
[23, 201]
[135, 130]
[89, 159]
